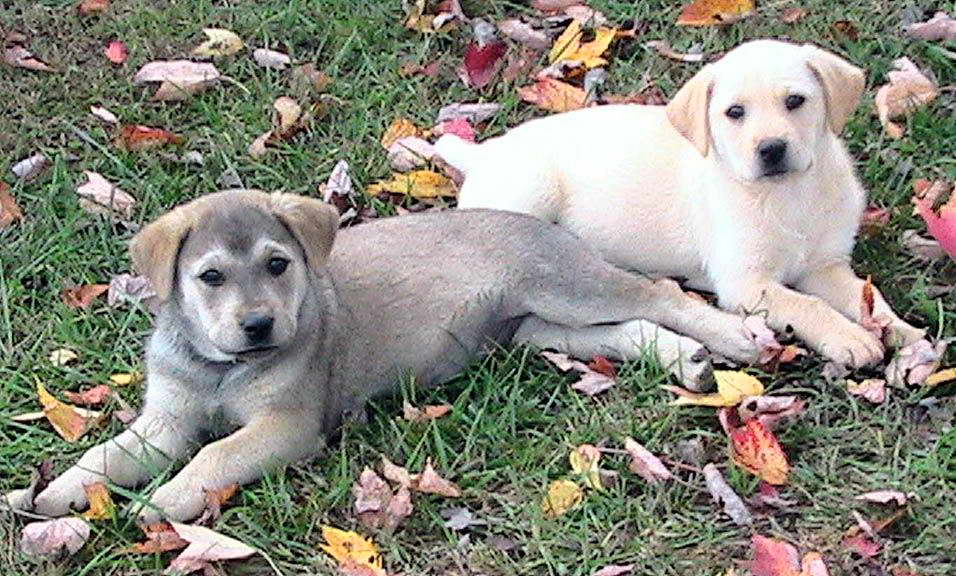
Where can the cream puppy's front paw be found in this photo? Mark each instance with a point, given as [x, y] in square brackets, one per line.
[176, 500]
[900, 334]
[850, 344]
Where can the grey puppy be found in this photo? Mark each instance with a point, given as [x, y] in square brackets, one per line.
[267, 335]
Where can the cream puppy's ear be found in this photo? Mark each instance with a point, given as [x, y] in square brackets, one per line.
[312, 222]
[155, 248]
[843, 84]
[688, 110]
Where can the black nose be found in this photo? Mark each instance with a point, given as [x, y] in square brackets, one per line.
[257, 327]
[772, 151]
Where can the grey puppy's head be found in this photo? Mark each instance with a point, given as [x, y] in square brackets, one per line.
[237, 265]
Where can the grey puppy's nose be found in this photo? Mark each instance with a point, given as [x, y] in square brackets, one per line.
[772, 150]
[257, 327]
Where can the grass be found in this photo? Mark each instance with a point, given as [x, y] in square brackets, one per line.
[515, 418]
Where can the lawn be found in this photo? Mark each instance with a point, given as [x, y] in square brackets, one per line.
[515, 418]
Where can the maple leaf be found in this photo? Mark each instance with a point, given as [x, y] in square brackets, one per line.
[83, 296]
[417, 184]
[645, 464]
[351, 548]
[715, 12]
[553, 95]
[70, 422]
[755, 448]
[562, 496]
[101, 504]
[732, 388]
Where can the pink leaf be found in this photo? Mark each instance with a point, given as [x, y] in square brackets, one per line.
[645, 464]
[116, 52]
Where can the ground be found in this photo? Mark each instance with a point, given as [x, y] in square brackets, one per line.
[515, 418]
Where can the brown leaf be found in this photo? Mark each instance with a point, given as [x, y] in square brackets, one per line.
[375, 504]
[54, 539]
[914, 363]
[429, 482]
[83, 296]
[874, 219]
[9, 210]
[205, 546]
[724, 494]
[770, 410]
[846, 29]
[178, 79]
[160, 537]
[645, 464]
[793, 14]
[664, 49]
[908, 89]
[940, 27]
[395, 473]
[70, 422]
[129, 288]
[215, 500]
[87, 7]
[413, 414]
[135, 137]
[553, 95]
[715, 12]
[100, 196]
[886, 496]
[524, 33]
[19, 57]
[91, 397]
[101, 504]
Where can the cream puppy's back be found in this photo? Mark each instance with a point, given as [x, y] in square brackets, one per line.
[578, 169]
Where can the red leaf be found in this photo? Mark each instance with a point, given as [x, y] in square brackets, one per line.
[481, 62]
[604, 366]
[83, 296]
[116, 52]
[756, 449]
[137, 137]
[92, 397]
[160, 537]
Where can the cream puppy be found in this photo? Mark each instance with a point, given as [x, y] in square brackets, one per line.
[741, 185]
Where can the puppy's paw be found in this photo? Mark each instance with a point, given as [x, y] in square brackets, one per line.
[737, 343]
[900, 334]
[851, 345]
[176, 500]
[64, 493]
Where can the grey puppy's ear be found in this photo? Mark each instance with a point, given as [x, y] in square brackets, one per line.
[155, 248]
[843, 85]
[688, 110]
[312, 222]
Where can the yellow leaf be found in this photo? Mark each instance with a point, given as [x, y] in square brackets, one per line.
[732, 387]
[62, 357]
[399, 128]
[568, 46]
[126, 378]
[101, 504]
[67, 420]
[417, 184]
[941, 376]
[715, 12]
[553, 95]
[584, 461]
[349, 548]
[220, 42]
[563, 495]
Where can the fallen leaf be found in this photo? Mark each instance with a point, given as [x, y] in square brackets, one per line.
[614, 570]
[939, 27]
[590, 17]
[220, 42]
[940, 217]
[602, 365]
[645, 464]
[99, 196]
[846, 29]
[413, 414]
[91, 397]
[205, 546]
[215, 500]
[563, 495]
[765, 340]
[459, 519]
[19, 57]
[475, 112]
[664, 49]
[87, 7]
[410, 153]
[395, 473]
[591, 382]
[116, 52]
[940, 377]
[715, 12]
[104, 114]
[768, 496]
[83, 296]
[770, 410]
[339, 182]
[755, 448]
[732, 387]
[307, 80]
[482, 62]
[178, 79]
[460, 127]
[914, 363]
[908, 89]
[399, 128]
[351, 548]
[129, 288]
[886, 496]
[68, 421]
[429, 70]
[288, 115]
[873, 389]
[417, 184]
[793, 14]
[160, 537]
[135, 137]
[9, 210]
[724, 494]
[923, 249]
[554, 5]
[524, 33]
[874, 220]
[29, 168]
[101, 504]
[271, 59]
[62, 357]
[584, 462]
[553, 95]
[126, 378]
[568, 46]
[862, 544]
[53, 539]
[375, 504]
[429, 482]
[778, 558]
[875, 325]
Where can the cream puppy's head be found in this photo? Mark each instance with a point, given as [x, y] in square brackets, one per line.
[237, 266]
[766, 108]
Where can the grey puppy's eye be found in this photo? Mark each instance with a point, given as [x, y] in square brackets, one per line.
[795, 101]
[735, 112]
[277, 266]
[213, 277]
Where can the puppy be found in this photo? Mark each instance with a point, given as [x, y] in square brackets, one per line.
[740, 185]
[268, 332]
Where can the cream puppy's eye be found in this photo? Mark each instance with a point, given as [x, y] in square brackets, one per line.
[735, 112]
[277, 266]
[795, 101]
[213, 277]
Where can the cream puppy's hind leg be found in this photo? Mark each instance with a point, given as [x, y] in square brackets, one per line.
[685, 358]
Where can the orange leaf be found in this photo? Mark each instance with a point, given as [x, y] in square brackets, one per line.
[778, 558]
[67, 420]
[137, 137]
[553, 95]
[83, 296]
[429, 482]
[413, 414]
[399, 128]
[715, 12]
[352, 550]
[9, 211]
[160, 537]
[88, 7]
[101, 504]
[755, 448]
[92, 397]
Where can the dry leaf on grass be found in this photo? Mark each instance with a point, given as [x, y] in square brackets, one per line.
[94, 396]
[83, 296]
[614, 570]
[410, 153]
[10, 212]
[100, 196]
[875, 325]
[940, 377]
[482, 62]
[101, 503]
[116, 52]
[724, 494]
[288, 120]
[375, 504]
[872, 389]
[846, 29]
[770, 410]
[104, 115]
[715, 12]
[460, 519]
[584, 462]
[940, 27]
[271, 59]
[779, 558]
[87, 7]
[755, 448]
[562, 496]
[431, 412]
[339, 182]
[936, 204]
[592, 382]
[70, 422]
[215, 500]
[19, 57]
[31, 167]
[475, 112]
[129, 288]
[205, 546]
[160, 537]
[645, 464]
[126, 378]
[220, 42]
[429, 482]
[399, 128]
[136, 137]
[793, 14]
[524, 33]
[914, 363]
[396, 473]
[178, 79]
[62, 357]
[349, 548]
[569, 47]
[460, 127]
[54, 539]
[886, 496]
[553, 95]
[732, 387]
[417, 184]
[908, 89]
[665, 50]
